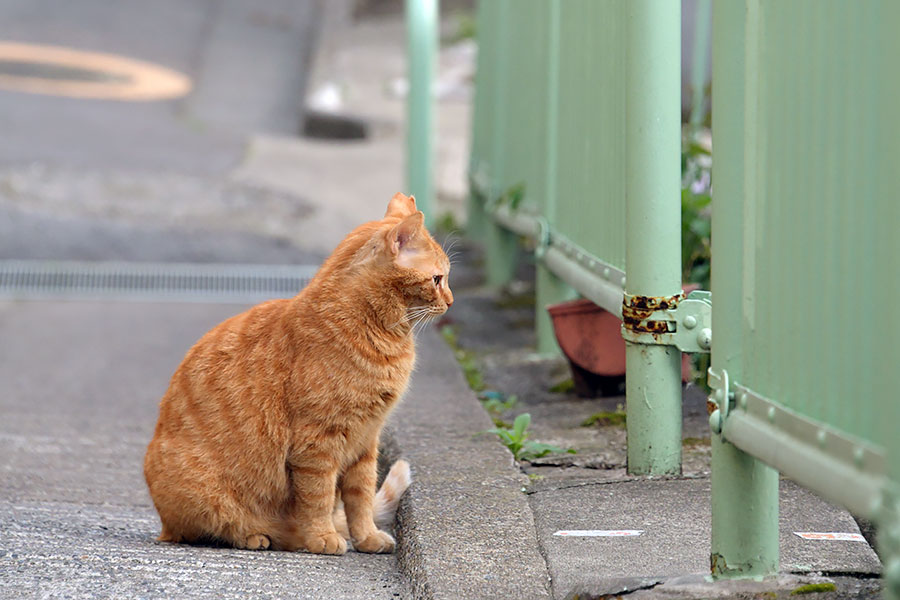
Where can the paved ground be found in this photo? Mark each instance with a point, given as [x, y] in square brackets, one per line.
[82, 383]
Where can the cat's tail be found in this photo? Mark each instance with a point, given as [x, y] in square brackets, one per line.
[388, 496]
[386, 499]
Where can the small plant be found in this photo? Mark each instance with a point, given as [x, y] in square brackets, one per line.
[814, 588]
[495, 403]
[516, 440]
[448, 332]
[696, 231]
[470, 370]
[446, 224]
[696, 187]
[563, 387]
[512, 196]
[464, 28]
[616, 418]
[465, 359]
[694, 442]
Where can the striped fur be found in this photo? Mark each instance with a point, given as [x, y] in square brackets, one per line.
[268, 434]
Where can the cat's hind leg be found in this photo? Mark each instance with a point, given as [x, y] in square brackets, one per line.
[215, 521]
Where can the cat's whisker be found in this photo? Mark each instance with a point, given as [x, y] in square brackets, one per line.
[416, 315]
[452, 239]
[423, 322]
[411, 315]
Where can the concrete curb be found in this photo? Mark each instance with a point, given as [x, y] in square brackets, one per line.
[465, 529]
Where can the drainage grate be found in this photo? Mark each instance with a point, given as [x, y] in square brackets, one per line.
[150, 282]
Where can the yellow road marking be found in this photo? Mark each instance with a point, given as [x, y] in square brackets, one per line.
[141, 81]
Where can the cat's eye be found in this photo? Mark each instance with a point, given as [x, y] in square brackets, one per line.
[437, 279]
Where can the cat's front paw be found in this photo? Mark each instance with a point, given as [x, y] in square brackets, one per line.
[326, 543]
[256, 542]
[377, 542]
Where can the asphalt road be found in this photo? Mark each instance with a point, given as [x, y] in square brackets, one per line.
[106, 179]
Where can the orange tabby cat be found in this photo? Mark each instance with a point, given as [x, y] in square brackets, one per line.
[272, 420]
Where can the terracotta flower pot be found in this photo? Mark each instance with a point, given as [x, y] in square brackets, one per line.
[591, 339]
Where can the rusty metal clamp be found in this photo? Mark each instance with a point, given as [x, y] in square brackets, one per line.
[669, 320]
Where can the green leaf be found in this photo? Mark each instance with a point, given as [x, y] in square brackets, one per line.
[521, 424]
[515, 194]
[538, 450]
[701, 227]
[507, 437]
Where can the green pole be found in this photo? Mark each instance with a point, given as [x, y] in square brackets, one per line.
[653, 226]
[421, 28]
[744, 490]
[501, 246]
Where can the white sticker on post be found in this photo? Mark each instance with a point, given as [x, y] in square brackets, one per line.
[599, 532]
[830, 535]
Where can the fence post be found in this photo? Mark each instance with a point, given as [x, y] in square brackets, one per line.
[744, 490]
[501, 246]
[422, 38]
[653, 226]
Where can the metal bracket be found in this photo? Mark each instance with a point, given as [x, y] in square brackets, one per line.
[685, 323]
[542, 243]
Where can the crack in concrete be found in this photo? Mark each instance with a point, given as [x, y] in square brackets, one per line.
[614, 481]
[627, 591]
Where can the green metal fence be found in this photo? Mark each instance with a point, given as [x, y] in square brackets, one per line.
[550, 161]
[576, 145]
[806, 136]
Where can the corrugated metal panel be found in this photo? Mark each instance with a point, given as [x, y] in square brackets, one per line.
[486, 83]
[524, 112]
[814, 266]
[590, 187]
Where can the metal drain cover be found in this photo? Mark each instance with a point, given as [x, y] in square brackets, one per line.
[150, 282]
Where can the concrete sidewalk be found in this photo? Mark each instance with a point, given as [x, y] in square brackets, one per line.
[473, 526]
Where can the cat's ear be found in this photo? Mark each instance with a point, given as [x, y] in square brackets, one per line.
[404, 232]
[401, 206]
